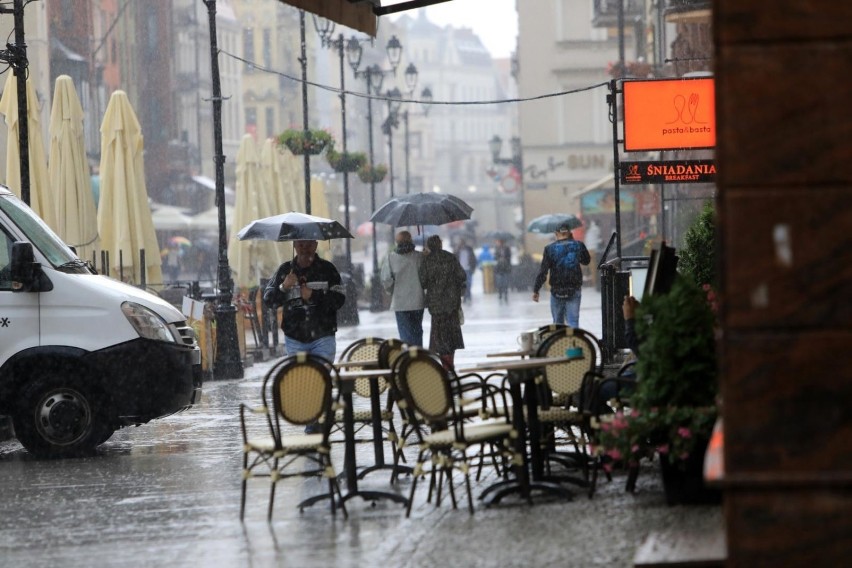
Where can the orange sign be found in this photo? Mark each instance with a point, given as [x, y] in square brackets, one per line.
[669, 114]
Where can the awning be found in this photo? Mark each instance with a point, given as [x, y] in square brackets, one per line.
[359, 14]
[210, 184]
[67, 53]
[606, 180]
[356, 16]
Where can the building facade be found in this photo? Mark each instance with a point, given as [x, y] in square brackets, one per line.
[449, 146]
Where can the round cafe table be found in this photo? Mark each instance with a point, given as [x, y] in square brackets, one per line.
[347, 383]
[522, 372]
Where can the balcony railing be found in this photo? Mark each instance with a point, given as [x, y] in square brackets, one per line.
[678, 9]
[606, 12]
[688, 5]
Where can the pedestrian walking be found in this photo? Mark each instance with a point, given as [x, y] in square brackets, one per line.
[443, 280]
[593, 244]
[562, 260]
[401, 279]
[172, 261]
[310, 291]
[467, 258]
[502, 270]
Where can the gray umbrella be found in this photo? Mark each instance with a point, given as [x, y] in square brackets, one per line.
[549, 223]
[422, 209]
[294, 227]
[499, 236]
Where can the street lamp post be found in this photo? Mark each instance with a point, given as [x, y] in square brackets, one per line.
[227, 364]
[426, 98]
[325, 29]
[374, 76]
[517, 162]
[16, 57]
[306, 157]
[392, 122]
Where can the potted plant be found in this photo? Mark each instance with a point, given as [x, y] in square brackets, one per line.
[305, 141]
[697, 256]
[345, 162]
[673, 408]
[372, 174]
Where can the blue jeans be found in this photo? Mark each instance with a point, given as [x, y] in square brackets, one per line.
[469, 274]
[325, 347]
[410, 326]
[566, 311]
[501, 281]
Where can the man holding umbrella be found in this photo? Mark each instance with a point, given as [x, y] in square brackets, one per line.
[310, 291]
[562, 259]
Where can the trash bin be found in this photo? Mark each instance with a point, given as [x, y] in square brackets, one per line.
[488, 278]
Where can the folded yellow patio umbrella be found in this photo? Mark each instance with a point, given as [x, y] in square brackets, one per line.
[251, 260]
[272, 166]
[319, 207]
[124, 216]
[294, 172]
[70, 181]
[39, 193]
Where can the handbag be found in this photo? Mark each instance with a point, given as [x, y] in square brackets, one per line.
[389, 287]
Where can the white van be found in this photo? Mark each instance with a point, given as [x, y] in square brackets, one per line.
[82, 355]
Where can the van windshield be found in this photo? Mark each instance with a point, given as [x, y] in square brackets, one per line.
[37, 231]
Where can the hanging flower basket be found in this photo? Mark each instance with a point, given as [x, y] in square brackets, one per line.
[301, 142]
[372, 174]
[345, 162]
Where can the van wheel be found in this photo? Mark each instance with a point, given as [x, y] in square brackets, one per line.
[59, 417]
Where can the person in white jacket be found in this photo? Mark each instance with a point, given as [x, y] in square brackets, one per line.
[400, 279]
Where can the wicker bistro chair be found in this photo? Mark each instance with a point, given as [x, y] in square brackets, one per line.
[560, 391]
[543, 331]
[300, 388]
[365, 349]
[429, 402]
[475, 397]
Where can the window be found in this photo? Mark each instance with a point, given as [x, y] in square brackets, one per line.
[251, 117]
[267, 48]
[270, 122]
[5, 261]
[248, 48]
[415, 144]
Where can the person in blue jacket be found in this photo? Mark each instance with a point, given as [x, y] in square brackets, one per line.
[562, 260]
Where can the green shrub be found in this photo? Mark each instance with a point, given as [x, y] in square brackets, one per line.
[698, 254]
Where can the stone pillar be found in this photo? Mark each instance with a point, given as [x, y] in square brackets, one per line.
[784, 145]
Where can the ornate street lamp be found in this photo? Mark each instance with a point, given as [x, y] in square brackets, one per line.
[426, 99]
[374, 76]
[227, 364]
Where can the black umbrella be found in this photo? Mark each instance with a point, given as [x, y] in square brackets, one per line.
[422, 209]
[499, 236]
[294, 227]
[551, 222]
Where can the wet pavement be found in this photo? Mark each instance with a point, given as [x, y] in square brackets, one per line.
[167, 493]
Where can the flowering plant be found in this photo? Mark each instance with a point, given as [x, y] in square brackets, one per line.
[345, 162]
[672, 410]
[305, 142]
[672, 431]
[369, 173]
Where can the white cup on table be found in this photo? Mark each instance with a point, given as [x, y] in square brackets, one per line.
[525, 340]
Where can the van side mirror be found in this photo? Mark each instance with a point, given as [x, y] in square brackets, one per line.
[23, 267]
